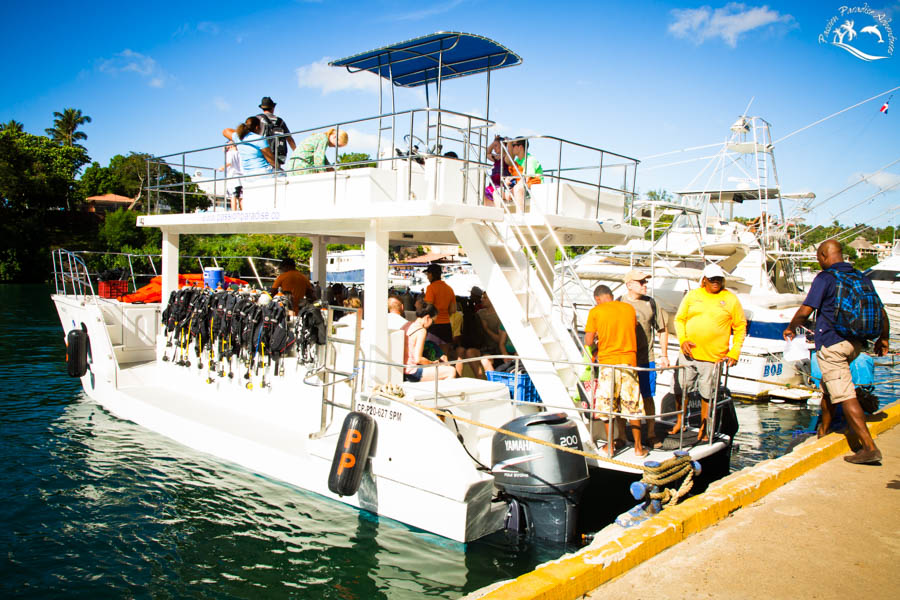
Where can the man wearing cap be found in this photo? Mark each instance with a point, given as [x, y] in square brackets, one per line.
[442, 297]
[475, 297]
[273, 125]
[650, 319]
[704, 323]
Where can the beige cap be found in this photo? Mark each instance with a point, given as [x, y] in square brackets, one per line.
[635, 275]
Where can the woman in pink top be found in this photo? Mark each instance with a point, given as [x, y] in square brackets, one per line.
[413, 358]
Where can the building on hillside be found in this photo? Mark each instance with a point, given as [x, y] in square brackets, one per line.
[883, 249]
[107, 203]
[863, 247]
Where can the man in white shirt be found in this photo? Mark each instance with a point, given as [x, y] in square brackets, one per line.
[396, 319]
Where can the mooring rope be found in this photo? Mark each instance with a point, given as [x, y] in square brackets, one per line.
[789, 386]
[393, 391]
[669, 471]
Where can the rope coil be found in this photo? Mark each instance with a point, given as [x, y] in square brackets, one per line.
[670, 471]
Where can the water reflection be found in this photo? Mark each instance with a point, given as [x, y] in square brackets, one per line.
[95, 506]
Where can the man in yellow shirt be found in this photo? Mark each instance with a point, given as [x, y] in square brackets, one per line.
[704, 323]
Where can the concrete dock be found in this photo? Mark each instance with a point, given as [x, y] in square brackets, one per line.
[805, 525]
[831, 533]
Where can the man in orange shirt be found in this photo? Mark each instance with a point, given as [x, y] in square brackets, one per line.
[442, 297]
[293, 281]
[610, 334]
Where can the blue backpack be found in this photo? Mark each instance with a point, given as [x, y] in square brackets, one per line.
[858, 310]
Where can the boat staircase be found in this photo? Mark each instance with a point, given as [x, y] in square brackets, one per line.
[515, 260]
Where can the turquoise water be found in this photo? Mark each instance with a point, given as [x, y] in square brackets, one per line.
[93, 506]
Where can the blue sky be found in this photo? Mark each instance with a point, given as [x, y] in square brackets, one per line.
[639, 78]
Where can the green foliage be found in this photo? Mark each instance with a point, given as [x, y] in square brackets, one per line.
[35, 172]
[120, 230]
[127, 176]
[350, 157]
[13, 126]
[64, 131]
[864, 262]
[23, 251]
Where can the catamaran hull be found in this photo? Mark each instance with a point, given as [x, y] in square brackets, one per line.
[418, 472]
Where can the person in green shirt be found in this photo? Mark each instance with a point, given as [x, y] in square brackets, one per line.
[525, 171]
[310, 154]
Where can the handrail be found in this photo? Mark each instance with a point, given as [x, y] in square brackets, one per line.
[471, 132]
[584, 411]
[71, 269]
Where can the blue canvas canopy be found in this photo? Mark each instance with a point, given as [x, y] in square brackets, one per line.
[430, 58]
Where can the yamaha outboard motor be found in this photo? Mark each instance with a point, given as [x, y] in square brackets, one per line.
[543, 484]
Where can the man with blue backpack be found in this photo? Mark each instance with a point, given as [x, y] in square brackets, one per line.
[849, 314]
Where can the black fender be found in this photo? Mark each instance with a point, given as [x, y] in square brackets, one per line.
[351, 454]
[77, 352]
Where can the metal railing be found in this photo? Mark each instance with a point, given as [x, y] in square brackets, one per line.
[458, 132]
[471, 146]
[76, 271]
[590, 414]
[71, 273]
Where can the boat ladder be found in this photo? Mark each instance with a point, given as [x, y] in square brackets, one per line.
[331, 373]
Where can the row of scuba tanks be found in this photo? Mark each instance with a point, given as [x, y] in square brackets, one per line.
[244, 331]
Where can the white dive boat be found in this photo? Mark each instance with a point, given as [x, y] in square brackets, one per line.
[703, 230]
[282, 415]
[886, 278]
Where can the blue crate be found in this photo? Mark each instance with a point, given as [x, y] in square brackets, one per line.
[524, 392]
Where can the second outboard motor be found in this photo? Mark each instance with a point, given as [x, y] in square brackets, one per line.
[543, 482]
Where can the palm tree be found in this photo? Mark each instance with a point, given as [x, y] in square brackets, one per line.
[13, 126]
[64, 127]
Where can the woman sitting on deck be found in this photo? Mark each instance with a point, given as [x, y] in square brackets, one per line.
[414, 351]
[310, 153]
[256, 157]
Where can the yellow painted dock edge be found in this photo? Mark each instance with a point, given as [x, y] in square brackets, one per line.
[574, 576]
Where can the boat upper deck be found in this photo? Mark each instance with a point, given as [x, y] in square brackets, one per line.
[417, 172]
[345, 204]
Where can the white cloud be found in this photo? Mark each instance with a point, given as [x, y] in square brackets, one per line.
[360, 141]
[883, 180]
[220, 103]
[319, 75]
[728, 22]
[129, 61]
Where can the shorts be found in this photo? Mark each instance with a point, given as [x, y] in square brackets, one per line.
[834, 362]
[647, 379]
[699, 375]
[626, 392]
[413, 377]
[442, 331]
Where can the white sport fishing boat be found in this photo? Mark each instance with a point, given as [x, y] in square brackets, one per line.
[332, 413]
[886, 278]
[702, 231]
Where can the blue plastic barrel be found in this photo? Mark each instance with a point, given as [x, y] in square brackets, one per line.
[213, 277]
[862, 370]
